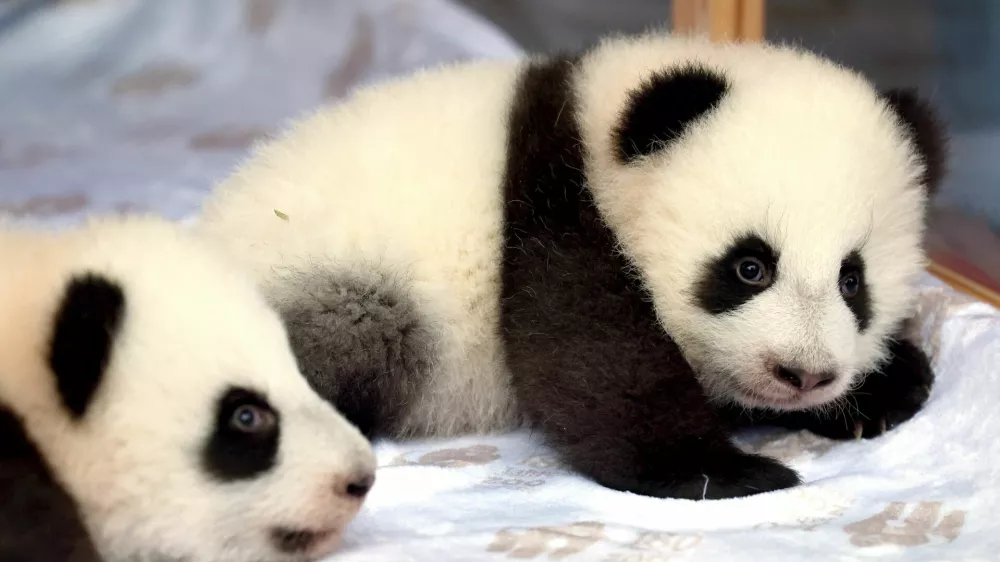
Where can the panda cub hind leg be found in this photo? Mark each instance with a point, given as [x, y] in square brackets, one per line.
[360, 342]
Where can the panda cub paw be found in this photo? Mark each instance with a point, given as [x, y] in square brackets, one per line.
[885, 399]
[736, 476]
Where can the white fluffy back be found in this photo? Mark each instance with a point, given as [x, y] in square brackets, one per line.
[193, 326]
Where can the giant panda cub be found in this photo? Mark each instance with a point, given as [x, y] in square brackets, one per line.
[635, 250]
[152, 409]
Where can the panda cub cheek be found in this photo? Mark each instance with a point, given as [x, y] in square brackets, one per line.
[253, 442]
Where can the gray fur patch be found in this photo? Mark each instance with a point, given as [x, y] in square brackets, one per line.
[361, 343]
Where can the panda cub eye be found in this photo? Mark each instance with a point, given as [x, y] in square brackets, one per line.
[850, 283]
[250, 418]
[752, 271]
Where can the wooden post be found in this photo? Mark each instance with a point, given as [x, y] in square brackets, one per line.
[721, 20]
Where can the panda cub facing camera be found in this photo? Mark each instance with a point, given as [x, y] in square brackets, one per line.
[635, 250]
[152, 409]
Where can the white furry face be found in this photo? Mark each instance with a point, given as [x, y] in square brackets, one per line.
[200, 439]
[797, 174]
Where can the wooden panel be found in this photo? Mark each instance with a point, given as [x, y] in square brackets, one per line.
[752, 20]
[687, 15]
[723, 20]
[720, 20]
[963, 284]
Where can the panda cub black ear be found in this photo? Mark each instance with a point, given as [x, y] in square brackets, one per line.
[660, 110]
[84, 330]
[926, 131]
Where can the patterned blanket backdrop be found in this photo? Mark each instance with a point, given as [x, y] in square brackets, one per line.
[123, 105]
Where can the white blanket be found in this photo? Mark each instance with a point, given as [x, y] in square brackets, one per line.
[142, 104]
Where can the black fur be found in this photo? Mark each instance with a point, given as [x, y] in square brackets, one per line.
[39, 520]
[664, 106]
[720, 289]
[926, 131]
[886, 398]
[860, 304]
[591, 366]
[230, 454]
[86, 324]
[292, 541]
[361, 344]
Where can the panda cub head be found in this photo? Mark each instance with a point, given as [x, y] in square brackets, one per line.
[162, 394]
[774, 204]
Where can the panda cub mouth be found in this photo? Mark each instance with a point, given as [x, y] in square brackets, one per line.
[760, 400]
[768, 396]
[298, 541]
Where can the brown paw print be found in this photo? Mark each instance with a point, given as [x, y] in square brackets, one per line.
[516, 479]
[452, 458]
[557, 542]
[657, 546]
[923, 521]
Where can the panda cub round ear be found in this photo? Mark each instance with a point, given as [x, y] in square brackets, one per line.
[660, 110]
[926, 131]
[85, 326]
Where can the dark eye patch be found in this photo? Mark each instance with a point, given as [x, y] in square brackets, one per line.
[724, 285]
[858, 300]
[245, 437]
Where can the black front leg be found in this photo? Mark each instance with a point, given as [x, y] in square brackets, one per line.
[886, 398]
[596, 373]
[590, 364]
[630, 415]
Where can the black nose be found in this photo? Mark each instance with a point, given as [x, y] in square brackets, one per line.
[359, 486]
[803, 380]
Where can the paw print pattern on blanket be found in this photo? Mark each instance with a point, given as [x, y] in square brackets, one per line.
[517, 479]
[472, 455]
[923, 521]
[557, 542]
[529, 473]
[46, 205]
[592, 540]
[655, 546]
[228, 138]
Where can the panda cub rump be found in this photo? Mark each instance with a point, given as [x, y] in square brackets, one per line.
[620, 247]
[155, 409]
[375, 226]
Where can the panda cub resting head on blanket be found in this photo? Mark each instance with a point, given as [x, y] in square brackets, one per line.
[151, 408]
[633, 249]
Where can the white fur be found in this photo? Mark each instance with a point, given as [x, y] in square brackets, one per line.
[403, 176]
[407, 174]
[193, 325]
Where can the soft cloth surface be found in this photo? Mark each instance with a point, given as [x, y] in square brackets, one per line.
[115, 105]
